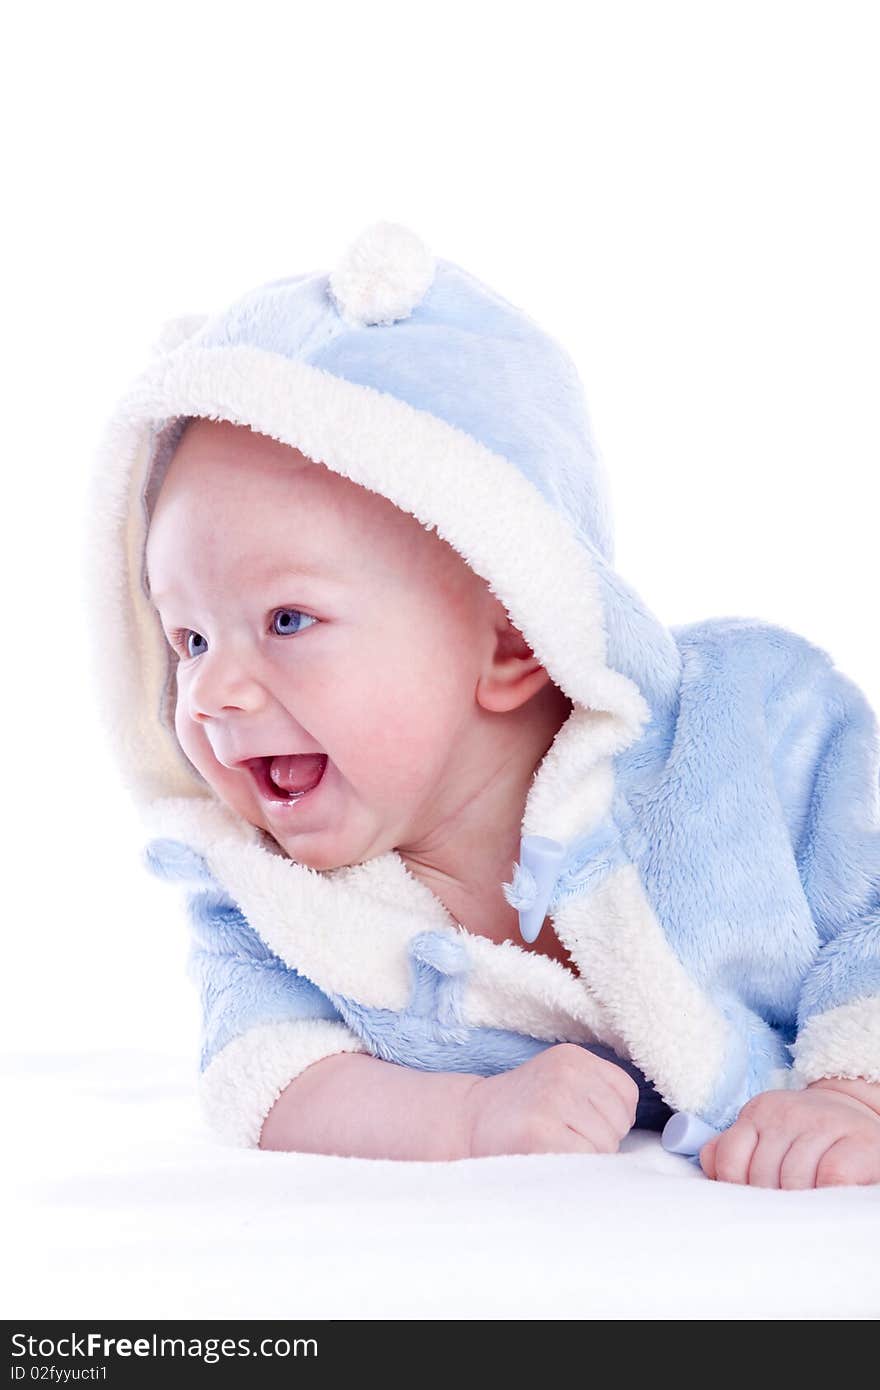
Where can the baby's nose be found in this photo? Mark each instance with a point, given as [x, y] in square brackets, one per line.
[221, 686]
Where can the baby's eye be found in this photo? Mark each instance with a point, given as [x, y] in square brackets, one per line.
[179, 640]
[286, 625]
[284, 622]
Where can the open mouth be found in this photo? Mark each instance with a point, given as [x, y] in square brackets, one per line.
[299, 774]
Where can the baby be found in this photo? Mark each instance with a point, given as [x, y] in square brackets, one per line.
[355, 530]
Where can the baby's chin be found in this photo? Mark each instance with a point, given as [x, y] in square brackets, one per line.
[317, 857]
[321, 842]
[319, 852]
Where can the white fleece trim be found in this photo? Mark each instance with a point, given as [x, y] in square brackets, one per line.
[573, 787]
[475, 499]
[242, 1082]
[843, 1042]
[668, 1025]
[350, 930]
[525, 992]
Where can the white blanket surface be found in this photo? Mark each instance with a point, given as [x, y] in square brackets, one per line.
[123, 1205]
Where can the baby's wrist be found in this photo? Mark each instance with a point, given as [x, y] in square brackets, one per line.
[856, 1088]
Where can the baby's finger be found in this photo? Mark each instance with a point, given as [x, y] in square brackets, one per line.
[592, 1123]
[767, 1158]
[626, 1087]
[733, 1152]
[851, 1160]
[569, 1141]
[707, 1158]
[798, 1167]
[616, 1112]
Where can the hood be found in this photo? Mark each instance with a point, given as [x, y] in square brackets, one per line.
[406, 374]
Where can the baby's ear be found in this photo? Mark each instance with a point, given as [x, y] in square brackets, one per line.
[176, 331]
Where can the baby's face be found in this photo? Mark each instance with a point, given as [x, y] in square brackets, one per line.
[311, 616]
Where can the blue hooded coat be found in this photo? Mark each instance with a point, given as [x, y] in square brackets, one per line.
[703, 833]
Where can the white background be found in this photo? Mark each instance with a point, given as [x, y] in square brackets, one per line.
[684, 194]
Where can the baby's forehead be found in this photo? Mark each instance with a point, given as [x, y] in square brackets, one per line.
[224, 480]
[232, 474]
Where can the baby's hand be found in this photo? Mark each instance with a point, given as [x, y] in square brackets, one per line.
[810, 1138]
[564, 1100]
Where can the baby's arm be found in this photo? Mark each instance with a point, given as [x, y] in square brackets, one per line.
[563, 1100]
[826, 1135]
[358, 1106]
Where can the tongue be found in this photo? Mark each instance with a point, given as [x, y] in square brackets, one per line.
[297, 772]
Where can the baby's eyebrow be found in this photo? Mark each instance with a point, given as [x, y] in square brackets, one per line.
[301, 570]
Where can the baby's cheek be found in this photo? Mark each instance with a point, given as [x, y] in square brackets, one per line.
[187, 732]
[194, 741]
[392, 745]
[394, 756]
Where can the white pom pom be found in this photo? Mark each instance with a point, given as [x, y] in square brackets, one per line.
[383, 275]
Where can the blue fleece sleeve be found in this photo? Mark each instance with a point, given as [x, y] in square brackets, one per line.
[263, 1022]
[241, 983]
[829, 775]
